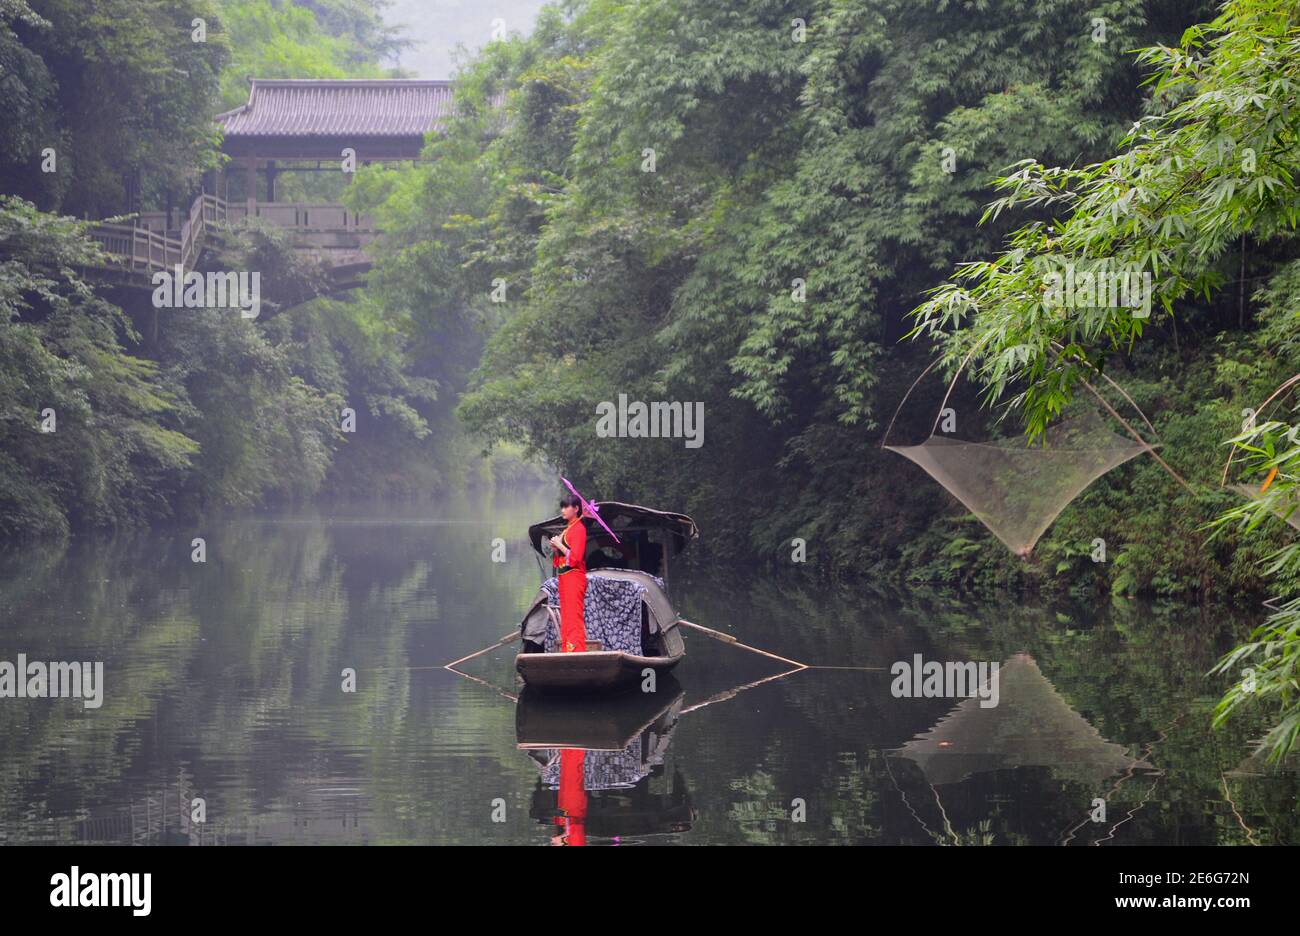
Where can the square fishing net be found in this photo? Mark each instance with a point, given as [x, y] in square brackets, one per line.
[1015, 488]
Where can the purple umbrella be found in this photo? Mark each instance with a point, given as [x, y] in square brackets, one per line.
[589, 507]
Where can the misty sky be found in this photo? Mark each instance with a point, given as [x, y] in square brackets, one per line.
[439, 26]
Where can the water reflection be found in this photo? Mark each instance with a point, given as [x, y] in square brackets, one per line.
[603, 766]
[224, 683]
[1031, 726]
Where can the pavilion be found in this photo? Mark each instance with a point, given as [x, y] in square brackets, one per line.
[306, 124]
[291, 125]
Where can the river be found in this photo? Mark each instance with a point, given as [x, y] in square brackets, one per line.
[226, 715]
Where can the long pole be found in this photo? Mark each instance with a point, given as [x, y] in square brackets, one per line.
[727, 638]
[1141, 441]
[488, 649]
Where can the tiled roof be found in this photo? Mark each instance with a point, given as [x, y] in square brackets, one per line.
[340, 107]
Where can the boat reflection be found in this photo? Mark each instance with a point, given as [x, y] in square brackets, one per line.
[602, 768]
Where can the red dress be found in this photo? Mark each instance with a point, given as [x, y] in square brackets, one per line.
[572, 573]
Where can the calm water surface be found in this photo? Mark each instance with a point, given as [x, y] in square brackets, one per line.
[223, 682]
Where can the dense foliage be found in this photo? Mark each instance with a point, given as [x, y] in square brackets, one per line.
[311, 39]
[116, 90]
[733, 204]
[1212, 173]
[800, 203]
[108, 416]
[161, 413]
[740, 205]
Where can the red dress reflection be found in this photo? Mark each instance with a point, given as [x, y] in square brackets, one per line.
[572, 800]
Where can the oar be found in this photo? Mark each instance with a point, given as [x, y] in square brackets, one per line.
[727, 638]
[514, 634]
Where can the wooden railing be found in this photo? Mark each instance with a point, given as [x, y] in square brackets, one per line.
[307, 217]
[140, 248]
[146, 247]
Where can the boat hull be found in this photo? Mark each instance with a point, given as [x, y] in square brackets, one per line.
[595, 723]
[592, 671]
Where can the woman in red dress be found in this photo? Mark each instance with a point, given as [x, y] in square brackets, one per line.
[570, 562]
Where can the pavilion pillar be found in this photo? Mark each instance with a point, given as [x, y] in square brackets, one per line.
[250, 182]
[270, 180]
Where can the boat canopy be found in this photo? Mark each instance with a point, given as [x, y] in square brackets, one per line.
[649, 537]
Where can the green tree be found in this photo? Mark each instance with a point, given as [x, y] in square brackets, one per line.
[1214, 166]
[118, 89]
[306, 39]
[800, 201]
[88, 433]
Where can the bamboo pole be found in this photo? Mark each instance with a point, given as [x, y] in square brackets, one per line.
[1259, 409]
[1141, 441]
[727, 638]
[856, 669]
[1124, 422]
[497, 689]
[488, 649]
[884, 439]
[939, 415]
[737, 690]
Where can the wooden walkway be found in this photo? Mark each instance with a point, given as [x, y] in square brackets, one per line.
[153, 244]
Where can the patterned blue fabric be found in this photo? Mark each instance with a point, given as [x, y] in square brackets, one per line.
[612, 613]
[601, 770]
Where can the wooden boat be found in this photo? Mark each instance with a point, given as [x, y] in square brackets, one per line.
[605, 671]
[648, 538]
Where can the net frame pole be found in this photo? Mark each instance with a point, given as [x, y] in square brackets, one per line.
[1141, 441]
[953, 384]
[1289, 382]
[1124, 422]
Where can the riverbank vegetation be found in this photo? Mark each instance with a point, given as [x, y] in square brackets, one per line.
[693, 203]
[1203, 188]
[741, 204]
[159, 414]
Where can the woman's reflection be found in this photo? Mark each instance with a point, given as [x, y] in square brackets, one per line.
[572, 799]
